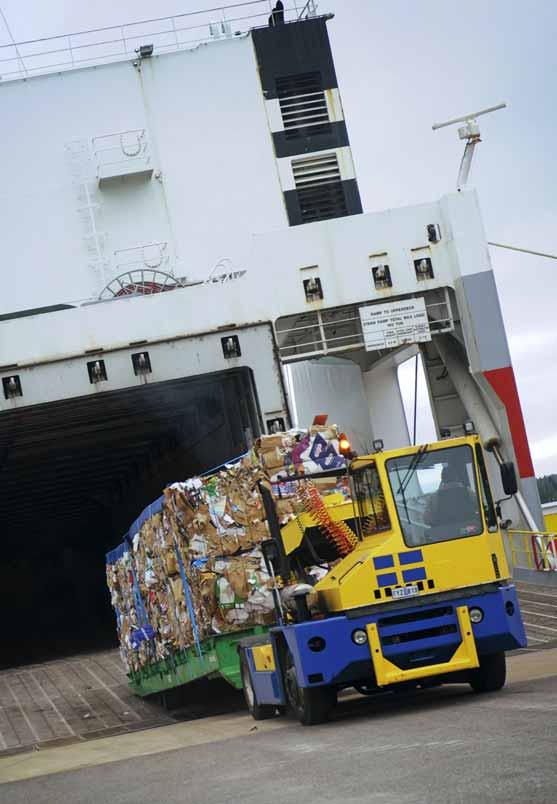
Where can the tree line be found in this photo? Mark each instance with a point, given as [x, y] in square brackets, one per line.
[547, 487]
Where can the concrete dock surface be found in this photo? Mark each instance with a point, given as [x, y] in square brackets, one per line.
[439, 745]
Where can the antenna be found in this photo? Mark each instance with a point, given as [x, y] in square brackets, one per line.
[471, 133]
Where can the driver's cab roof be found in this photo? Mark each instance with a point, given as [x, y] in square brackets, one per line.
[375, 457]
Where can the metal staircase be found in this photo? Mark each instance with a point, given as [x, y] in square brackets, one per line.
[447, 408]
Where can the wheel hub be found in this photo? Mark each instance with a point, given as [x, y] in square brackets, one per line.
[248, 689]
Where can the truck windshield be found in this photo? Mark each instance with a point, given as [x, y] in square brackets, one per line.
[436, 495]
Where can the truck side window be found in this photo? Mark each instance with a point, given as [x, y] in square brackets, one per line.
[487, 499]
[370, 501]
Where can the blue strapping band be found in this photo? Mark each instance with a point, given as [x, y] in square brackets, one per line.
[115, 555]
[189, 602]
[138, 600]
[152, 509]
[226, 463]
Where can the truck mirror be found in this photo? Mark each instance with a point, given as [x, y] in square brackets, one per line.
[508, 478]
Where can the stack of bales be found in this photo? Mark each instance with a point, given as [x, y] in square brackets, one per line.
[191, 566]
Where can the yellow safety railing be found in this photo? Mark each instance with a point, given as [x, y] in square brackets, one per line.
[535, 550]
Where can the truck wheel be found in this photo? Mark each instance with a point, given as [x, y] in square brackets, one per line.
[365, 689]
[404, 686]
[257, 711]
[490, 675]
[311, 705]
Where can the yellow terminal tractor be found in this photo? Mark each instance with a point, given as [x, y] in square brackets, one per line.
[414, 586]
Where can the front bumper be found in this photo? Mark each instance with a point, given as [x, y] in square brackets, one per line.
[406, 643]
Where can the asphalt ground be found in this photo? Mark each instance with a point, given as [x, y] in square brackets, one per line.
[441, 745]
[86, 696]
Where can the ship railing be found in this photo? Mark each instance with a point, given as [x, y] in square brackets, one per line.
[533, 550]
[141, 39]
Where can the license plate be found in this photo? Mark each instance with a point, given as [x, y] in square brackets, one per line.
[406, 591]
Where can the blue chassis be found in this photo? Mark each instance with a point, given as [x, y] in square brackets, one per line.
[343, 663]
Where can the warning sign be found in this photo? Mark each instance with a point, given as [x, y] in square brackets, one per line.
[394, 324]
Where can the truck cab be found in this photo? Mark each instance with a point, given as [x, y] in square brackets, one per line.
[415, 585]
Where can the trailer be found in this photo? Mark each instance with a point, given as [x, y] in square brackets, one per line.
[213, 657]
[218, 659]
[191, 580]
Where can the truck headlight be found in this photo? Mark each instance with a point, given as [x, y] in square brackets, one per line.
[476, 615]
[359, 636]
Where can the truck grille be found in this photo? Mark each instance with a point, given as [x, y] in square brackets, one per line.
[421, 637]
[428, 614]
[425, 633]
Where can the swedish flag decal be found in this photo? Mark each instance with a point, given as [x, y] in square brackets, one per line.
[398, 574]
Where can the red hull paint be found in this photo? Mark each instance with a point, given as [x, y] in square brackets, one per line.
[504, 384]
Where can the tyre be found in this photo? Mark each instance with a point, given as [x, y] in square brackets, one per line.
[364, 689]
[490, 675]
[311, 705]
[258, 711]
[404, 687]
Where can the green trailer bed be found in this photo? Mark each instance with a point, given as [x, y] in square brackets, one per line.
[219, 657]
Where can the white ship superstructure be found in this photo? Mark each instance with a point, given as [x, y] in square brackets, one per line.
[181, 223]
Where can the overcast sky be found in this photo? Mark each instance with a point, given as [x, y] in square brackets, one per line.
[403, 65]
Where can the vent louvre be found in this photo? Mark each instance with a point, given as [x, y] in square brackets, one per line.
[318, 204]
[303, 105]
[300, 84]
[315, 170]
[320, 191]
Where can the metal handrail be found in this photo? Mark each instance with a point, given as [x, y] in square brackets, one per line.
[27, 52]
[141, 22]
[538, 547]
[309, 10]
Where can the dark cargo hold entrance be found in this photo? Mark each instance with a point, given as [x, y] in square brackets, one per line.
[74, 475]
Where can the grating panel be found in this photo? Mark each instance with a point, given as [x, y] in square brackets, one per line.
[320, 191]
[314, 171]
[303, 105]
